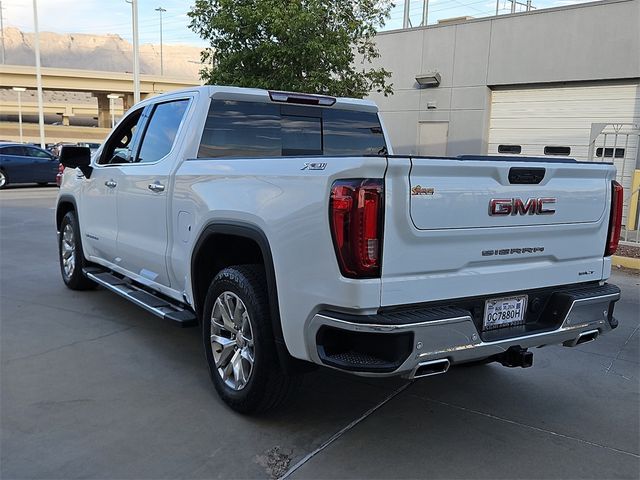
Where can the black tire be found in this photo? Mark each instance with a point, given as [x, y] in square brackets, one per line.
[267, 386]
[74, 279]
[4, 179]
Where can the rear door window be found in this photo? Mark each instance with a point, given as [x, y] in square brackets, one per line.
[12, 150]
[257, 130]
[36, 152]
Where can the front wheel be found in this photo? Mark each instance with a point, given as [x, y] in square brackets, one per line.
[4, 180]
[71, 255]
[238, 341]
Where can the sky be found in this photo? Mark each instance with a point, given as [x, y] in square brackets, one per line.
[101, 17]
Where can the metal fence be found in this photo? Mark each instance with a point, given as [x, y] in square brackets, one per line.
[620, 143]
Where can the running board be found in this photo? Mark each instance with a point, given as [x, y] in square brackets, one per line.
[141, 297]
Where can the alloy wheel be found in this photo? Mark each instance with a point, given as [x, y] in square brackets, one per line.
[68, 252]
[232, 340]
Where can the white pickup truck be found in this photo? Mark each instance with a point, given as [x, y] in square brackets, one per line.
[285, 227]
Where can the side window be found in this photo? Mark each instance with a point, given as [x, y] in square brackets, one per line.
[608, 152]
[119, 145]
[12, 150]
[161, 130]
[34, 152]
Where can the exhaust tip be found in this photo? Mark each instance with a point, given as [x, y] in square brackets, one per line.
[587, 337]
[434, 367]
[584, 337]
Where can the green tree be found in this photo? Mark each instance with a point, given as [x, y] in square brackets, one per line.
[315, 46]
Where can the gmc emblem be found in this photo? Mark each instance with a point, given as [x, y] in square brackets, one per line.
[515, 206]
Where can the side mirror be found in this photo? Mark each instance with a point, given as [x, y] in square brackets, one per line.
[77, 157]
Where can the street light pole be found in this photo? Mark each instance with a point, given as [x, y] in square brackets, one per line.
[112, 97]
[19, 90]
[38, 72]
[160, 10]
[2, 31]
[136, 51]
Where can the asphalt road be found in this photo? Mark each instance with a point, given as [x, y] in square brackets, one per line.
[93, 387]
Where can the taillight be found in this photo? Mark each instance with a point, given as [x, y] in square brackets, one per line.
[355, 216]
[615, 220]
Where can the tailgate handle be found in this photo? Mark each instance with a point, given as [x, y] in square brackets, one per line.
[526, 175]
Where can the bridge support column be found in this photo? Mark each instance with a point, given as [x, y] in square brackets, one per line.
[104, 115]
[127, 101]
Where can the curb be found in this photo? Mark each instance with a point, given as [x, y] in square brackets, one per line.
[633, 263]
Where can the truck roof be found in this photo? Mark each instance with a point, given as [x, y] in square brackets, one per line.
[260, 95]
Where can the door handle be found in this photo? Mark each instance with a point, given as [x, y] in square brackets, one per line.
[111, 183]
[156, 187]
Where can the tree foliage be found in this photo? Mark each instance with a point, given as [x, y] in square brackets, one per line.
[315, 46]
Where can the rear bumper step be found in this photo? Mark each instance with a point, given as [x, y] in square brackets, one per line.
[425, 341]
[152, 303]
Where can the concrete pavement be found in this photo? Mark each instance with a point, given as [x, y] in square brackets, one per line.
[94, 387]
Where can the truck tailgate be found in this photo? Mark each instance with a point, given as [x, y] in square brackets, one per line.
[463, 227]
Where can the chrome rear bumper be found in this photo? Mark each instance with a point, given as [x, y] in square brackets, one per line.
[428, 340]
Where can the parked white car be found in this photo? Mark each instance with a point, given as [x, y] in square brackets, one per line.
[283, 224]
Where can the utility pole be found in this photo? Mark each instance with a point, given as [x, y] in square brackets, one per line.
[2, 31]
[406, 20]
[136, 50]
[425, 12]
[38, 72]
[160, 10]
[112, 98]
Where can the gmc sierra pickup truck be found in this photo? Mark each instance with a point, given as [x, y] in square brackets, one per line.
[284, 226]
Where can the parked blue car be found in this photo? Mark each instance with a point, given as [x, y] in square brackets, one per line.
[26, 164]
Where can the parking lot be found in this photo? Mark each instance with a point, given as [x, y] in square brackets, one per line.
[94, 387]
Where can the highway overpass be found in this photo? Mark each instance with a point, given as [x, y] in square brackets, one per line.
[98, 83]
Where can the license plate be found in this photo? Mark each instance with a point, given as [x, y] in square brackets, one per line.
[504, 312]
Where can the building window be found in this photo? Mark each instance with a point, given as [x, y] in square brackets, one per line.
[608, 152]
[513, 149]
[560, 151]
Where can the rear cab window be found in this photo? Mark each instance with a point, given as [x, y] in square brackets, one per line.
[259, 129]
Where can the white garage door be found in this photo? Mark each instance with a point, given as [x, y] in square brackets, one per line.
[543, 121]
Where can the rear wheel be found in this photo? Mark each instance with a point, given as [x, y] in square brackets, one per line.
[238, 341]
[71, 256]
[4, 180]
